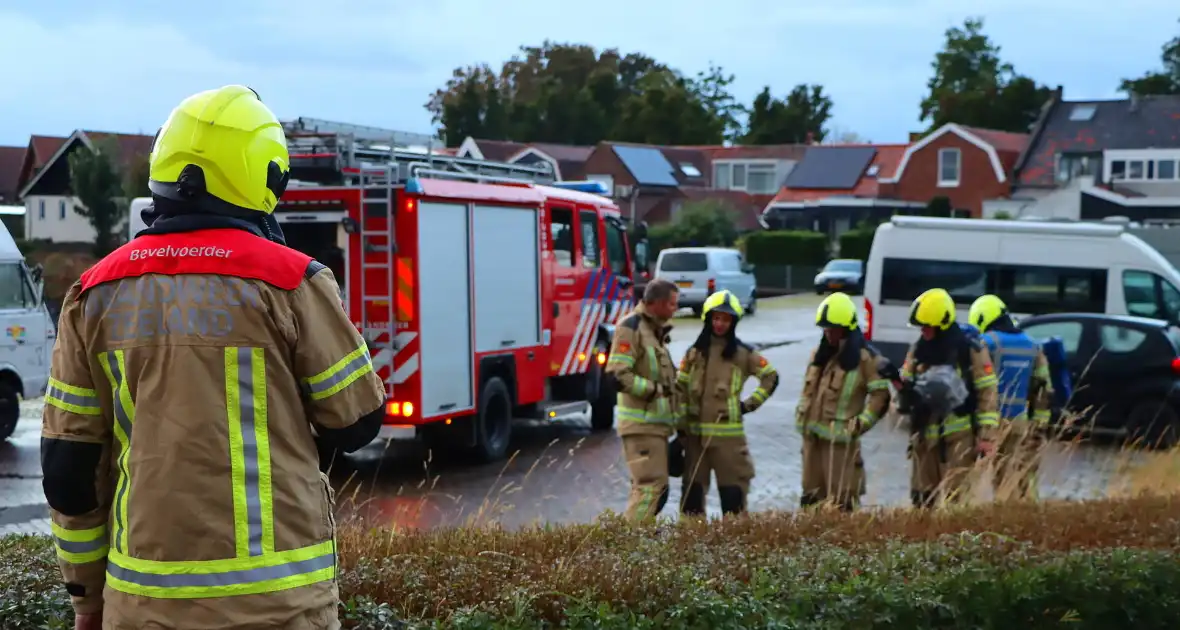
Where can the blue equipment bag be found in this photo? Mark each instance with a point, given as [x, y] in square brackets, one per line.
[1054, 349]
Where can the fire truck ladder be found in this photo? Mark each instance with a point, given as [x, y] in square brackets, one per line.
[406, 154]
[379, 235]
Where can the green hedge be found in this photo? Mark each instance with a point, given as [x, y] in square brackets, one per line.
[857, 243]
[786, 247]
[1100, 565]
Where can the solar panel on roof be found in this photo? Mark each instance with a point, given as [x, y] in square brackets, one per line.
[837, 168]
[647, 165]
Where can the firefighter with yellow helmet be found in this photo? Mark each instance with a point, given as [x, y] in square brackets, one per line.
[710, 382]
[1025, 391]
[949, 392]
[190, 366]
[844, 395]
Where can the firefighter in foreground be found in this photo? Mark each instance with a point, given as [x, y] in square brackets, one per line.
[844, 395]
[949, 391]
[710, 382]
[179, 464]
[1025, 391]
[646, 377]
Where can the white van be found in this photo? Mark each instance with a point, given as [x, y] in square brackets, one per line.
[28, 334]
[135, 221]
[699, 271]
[1035, 267]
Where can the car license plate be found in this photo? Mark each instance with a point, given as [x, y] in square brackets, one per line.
[684, 284]
[835, 285]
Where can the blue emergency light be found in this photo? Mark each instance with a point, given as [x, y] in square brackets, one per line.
[586, 186]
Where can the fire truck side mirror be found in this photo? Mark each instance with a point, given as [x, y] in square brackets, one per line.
[350, 225]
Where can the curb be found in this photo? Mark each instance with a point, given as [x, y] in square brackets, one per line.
[13, 514]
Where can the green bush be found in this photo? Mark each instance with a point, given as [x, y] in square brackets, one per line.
[857, 243]
[1095, 565]
[787, 247]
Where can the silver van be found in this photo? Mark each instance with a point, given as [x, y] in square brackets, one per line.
[700, 271]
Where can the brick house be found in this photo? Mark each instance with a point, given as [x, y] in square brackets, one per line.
[967, 165]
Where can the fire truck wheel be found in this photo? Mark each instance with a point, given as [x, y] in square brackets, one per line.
[602, 408]
[9, 410]
[494, 425]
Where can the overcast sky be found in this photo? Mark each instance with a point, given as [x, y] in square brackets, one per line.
[121, 65]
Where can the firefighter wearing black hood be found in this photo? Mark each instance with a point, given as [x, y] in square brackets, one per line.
[710, 387]
[844, 395]
[945, 443]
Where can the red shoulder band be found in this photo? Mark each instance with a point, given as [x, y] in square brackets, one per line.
[222, 252]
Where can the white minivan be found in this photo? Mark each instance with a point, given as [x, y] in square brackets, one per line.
[28, 334]
[699, 271]
[1035, 267]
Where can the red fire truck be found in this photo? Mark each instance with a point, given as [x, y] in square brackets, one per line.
[488, 292]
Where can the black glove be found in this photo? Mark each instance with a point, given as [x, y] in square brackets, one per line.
[675, 457]
[744, 408]
[906, 398]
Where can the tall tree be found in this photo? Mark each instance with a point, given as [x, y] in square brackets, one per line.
[1165, 81]
[973, 86]
[96, 182]
[791, 120]
[573, 94]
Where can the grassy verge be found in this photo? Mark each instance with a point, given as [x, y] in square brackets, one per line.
[1101, 564]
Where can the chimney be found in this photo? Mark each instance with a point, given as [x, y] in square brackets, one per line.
[1134, 106]
[915, 136]
[810, 138]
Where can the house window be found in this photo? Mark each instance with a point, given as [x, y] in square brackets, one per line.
[948, 167]
[754, 177]
[721, 177]
[1166, 169]
[689, 169]
[41, 209]
[61, 209]
[760, 179]
[1135, 170]
[739, 177]
[1082, 112]
[1073, 165]
[1118, 170]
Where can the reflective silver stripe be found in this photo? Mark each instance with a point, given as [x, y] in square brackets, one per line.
[249, 449]
[345, 371]
[71, 399]
[124, 421]
[222, 578]
[80, 547]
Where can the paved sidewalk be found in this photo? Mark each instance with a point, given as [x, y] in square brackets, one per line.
[22, 500]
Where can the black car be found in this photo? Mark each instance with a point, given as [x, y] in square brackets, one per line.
[842, 274]
[1125, 372]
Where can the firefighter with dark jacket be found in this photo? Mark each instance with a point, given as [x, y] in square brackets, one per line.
[844, 395]
[1025, 391]
[710, 382]
[646, 410]
[190, 367]
[949, 391]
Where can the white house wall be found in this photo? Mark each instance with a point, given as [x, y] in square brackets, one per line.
[74, 228]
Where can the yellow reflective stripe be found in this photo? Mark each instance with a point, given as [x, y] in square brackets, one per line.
[71, 398]
[116, 371]
[268, 573]
[1042, 372]
[953, 424]
[769, 369]
[621, 359]
[661, 415]
[986, 381]
[832, 431]
[988, 419]
[851, 379]
[867, 420]
[343, 373]
[877, 385]
[249, 441]
[80, 546]
[717, 429]
[1042, 416]
[733, 403]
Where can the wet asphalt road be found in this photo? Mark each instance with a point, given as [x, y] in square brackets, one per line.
[568, 474]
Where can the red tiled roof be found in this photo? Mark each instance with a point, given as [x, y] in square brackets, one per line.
[11, 161]
[499, 150]
[1003, 141]
[887, 159]
[44, 147]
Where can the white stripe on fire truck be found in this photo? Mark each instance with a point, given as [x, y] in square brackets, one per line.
[386, 356]
[584, 327]
[588, 337]
[569, 353]
[592, 338]
[406, 370]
